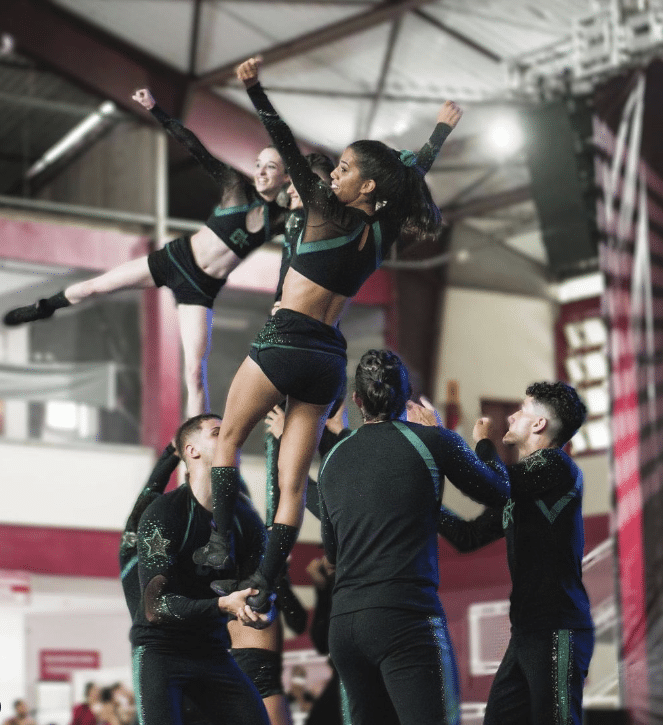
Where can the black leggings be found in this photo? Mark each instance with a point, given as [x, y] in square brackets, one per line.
[397, 667]
[214, 683]
[540, 679]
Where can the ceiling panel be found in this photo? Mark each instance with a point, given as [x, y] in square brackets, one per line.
[161, 28]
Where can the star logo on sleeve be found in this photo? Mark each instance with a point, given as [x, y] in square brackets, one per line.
[507, 514]
[534, 461]
[157, 544]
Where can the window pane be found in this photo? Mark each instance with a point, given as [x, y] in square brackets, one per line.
[61, 415]
[594, 332]
[574, 370]
[572, 333]
[579, 442]
[597, 399]
[596, 366]
[598, 434]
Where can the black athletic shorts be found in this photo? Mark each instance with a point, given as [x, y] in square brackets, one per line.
[263, 667]
[302, 357]
[175, 267]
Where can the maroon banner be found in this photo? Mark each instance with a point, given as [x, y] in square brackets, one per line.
[56, 665]
[629, 166]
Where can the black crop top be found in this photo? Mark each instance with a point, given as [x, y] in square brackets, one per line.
[327, 250]
[228, 220]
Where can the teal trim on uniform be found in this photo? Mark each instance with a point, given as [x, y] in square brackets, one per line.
[218, 211]
[128, 567]
[552, 513]
[184, 273]
[271, 480]
[345, 704]
[450, 689]
[423, 451]
[377, 238]
[323, 244]
[563, 646]
[328, 456]
[137, 667]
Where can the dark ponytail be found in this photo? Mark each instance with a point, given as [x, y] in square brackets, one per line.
[383, 384]
[401, 193]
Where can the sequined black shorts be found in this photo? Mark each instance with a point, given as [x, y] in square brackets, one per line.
[263, 667]
[175, 267]
[302, 357]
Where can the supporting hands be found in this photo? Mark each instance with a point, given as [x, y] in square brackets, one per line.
[423, 413]
[275, 421]
[145, 98]
[235, 603]
[450, 113]
[483, 428]
[247, 72]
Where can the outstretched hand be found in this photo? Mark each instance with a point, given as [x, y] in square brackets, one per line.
[144, 97]
[247, 72]
[450, 113]
[483, 428]
[423, 413]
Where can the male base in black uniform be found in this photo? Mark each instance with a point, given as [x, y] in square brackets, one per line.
[541, 677]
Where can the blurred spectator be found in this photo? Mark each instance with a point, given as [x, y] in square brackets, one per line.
[22, 715]
[108, 711]
[85, 713]
[299, 696]
[125, 703]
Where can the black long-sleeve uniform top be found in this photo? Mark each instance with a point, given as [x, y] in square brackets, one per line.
[380, 491]
[176, 610]
[542, 523]
[155, 486]
[228, 220]
[329, 250]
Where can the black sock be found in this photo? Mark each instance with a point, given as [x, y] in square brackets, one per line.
[56, 301]
[280, 542]
[225, 487]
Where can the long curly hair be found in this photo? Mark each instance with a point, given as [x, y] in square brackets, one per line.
[401, 193]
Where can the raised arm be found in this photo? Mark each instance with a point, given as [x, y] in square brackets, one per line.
[481, 476]
[156, 484]
[225, 176]
[327, 531]
[447, 118]
[275, 421]
[304, 179]
[470, 535]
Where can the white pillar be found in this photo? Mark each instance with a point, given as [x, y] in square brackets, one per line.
[13, 680]
[16, 351]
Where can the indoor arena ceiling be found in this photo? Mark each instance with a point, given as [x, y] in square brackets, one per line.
[337, 70]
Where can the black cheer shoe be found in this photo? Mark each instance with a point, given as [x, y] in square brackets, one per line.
[40, 310]
[224, 587]
[216, 554]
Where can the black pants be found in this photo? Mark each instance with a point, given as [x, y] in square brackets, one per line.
[215, 685]
[397, 666]
[540, 679]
